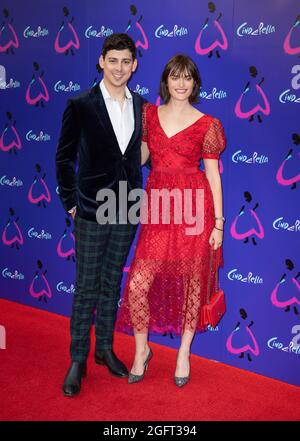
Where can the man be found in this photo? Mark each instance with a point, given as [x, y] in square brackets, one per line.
[101, 131]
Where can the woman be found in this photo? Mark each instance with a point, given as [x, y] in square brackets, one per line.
[174, 272]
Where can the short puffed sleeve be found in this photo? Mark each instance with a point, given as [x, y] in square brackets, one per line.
[144, 122]
[214, 140]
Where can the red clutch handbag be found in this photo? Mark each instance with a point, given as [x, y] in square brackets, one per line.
[214, 311]
[216, 308]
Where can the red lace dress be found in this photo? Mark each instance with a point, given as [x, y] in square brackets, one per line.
[174, 271]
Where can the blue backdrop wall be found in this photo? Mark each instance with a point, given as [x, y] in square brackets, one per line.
[248, 56]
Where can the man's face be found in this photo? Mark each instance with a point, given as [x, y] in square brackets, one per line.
[117, 67]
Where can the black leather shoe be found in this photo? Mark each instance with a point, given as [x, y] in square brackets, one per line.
[109, 359]
[72, 383]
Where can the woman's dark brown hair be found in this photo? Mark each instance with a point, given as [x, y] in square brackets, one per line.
[180, 65]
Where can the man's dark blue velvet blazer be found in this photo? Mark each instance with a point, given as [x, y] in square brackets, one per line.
[88, 157]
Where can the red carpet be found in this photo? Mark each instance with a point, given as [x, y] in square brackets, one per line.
[36, 358]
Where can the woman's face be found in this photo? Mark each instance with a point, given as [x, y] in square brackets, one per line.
[180, 85]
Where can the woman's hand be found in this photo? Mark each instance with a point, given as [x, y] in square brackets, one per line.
[216, 239]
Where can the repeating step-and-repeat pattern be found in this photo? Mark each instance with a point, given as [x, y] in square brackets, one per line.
[248, 54]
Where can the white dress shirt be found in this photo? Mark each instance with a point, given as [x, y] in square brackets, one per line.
[122, 119]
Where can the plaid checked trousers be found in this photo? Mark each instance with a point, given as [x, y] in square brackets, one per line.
[101, 252]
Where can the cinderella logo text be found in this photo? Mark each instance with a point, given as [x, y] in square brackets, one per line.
[177, 31]
[12, 84]
[32, 234]
[41, 137]
[292, 347]
[14, 182]
[40, 32]
[93, 33]
[244, 29]
[255, 158]
[214, 94]
[249, 278]
[281, 224]
[71, 87]
[61, 287]
[12, 274]
[141, 90]
[287, 96]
